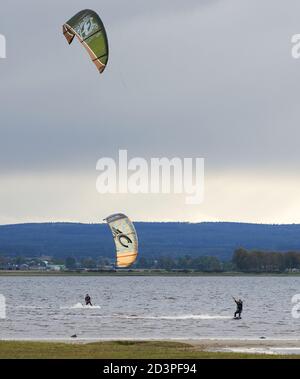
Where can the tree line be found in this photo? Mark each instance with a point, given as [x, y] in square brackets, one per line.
[202, 263]
[243, 260]
[260, 261]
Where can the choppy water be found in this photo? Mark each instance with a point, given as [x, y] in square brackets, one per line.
[148, 307]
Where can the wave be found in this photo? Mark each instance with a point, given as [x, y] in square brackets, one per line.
[247, 350]
[180, 317]
[81, 306]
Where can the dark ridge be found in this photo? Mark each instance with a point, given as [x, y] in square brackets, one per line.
[218, 239]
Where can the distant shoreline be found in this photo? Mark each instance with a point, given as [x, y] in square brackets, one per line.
[142, 273]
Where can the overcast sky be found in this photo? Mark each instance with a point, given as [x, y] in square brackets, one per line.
[196, 78]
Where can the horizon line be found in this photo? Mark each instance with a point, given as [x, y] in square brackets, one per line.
[152, 222]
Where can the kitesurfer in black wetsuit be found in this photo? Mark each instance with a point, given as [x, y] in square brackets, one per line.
[239, 308]
[88, 300]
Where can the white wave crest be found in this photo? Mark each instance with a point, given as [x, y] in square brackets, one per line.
[81, 306]
[179, 317]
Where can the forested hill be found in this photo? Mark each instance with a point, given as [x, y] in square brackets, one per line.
[156, 239]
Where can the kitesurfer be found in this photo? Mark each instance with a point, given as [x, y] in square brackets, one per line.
[239, 308]
[88, 300]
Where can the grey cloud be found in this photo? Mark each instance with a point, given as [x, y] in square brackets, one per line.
[213, 79]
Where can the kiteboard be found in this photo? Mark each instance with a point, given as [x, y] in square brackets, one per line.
[237, 318]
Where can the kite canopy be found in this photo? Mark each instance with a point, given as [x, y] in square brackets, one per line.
[89, 29]
[125, 239]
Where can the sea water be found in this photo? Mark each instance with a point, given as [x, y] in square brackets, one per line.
[148, 307]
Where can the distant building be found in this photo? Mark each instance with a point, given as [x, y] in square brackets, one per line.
[45, 258]
[24, 267]
[55, 267]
